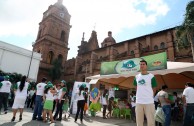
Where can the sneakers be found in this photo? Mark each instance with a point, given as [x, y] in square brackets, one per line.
[5, 112]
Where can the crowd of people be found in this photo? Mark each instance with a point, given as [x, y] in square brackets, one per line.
[49, 101]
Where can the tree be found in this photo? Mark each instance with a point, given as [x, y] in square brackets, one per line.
[56, 71]
[185, 32]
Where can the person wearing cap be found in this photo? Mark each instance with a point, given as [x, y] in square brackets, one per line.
[61, 99]
[48, 101]
[39, 100]
[4, 93]
[20, 90]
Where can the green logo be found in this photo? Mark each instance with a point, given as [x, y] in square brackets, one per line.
[129, 64]
[141, 82]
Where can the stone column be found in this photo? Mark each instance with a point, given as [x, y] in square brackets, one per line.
[170, 46]
[137, 51]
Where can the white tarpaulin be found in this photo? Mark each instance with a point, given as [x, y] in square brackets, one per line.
[172, 67]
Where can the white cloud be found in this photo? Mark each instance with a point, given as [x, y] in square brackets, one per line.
[21, 17]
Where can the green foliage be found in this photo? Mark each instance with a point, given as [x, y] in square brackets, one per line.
[185, 32]
[56, 71]
[13, 77]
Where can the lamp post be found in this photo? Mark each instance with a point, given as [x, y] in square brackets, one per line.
[31, 58]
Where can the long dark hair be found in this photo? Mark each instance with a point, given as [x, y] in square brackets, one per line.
[81, 88]
[46, 90]
[22, 83]
[105, 92]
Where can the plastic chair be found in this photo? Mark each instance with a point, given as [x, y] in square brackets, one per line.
[128, 113]
[116, 112]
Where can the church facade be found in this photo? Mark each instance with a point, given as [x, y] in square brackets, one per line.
[52, 43]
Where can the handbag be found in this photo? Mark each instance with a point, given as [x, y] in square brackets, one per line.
[159, 115]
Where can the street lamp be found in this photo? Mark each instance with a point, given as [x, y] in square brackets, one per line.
[31, 58]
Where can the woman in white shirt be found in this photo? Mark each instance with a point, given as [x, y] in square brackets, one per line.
[48, 101]
[20, 90]
[104, 102]
[80, 103]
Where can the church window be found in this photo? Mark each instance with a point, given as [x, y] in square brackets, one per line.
[50, 57]
[62, 36]
[39, 34]
[60, 58]
[155, 47]
[162, 45]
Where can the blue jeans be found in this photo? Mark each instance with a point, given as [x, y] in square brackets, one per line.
[189, 120]
[167, 113]
[38, 107]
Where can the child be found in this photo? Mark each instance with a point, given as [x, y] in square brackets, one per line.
[110, 107]
[48, 104]
[86, 101]
[66, 106]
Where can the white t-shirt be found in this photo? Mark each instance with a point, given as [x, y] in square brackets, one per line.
[49, 96]
[31, 93]
[22, 93]
[81, 96]
[5, 87]
[64, 89]
[56, 95]
[40, 89]
[144, 85]
[104, 100]
[189, 94]
[133, 104]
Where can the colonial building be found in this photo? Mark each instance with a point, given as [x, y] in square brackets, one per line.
[52, 43]
[88, 62]
[52, 38]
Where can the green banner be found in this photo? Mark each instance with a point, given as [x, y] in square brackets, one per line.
[154, 62]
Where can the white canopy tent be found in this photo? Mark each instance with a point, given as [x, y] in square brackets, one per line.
[172, 67]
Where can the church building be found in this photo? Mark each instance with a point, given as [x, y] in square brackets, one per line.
[52, 43]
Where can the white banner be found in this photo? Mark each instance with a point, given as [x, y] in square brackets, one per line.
[74, 92]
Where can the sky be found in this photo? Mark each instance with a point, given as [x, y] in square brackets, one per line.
[127, 19]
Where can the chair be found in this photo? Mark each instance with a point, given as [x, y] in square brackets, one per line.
[116, 112]
[128, 113]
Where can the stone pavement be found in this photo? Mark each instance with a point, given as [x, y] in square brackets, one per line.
[90, 121]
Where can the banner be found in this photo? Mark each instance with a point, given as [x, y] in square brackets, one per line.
[76, 86]
[154, 62]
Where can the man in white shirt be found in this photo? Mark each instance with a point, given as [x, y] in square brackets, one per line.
[188, 101]
[144, 97]
[39, 100]
[4, 93]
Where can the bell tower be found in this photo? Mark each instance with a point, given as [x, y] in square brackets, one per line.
[52, 37]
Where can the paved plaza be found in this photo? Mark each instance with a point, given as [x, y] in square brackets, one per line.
[90, 121]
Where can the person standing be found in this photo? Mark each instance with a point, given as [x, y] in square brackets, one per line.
[30, 96]
[104, 102]
[48, 101]
[39, 100]
[188, 101]
[86, 101]
[166, 104]
[80, 103]
[61, 100]
[4, 93]
[176, 108]
[20, 90]
[145, 83]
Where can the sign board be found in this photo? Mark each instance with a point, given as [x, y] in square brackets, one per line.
[154, 62]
